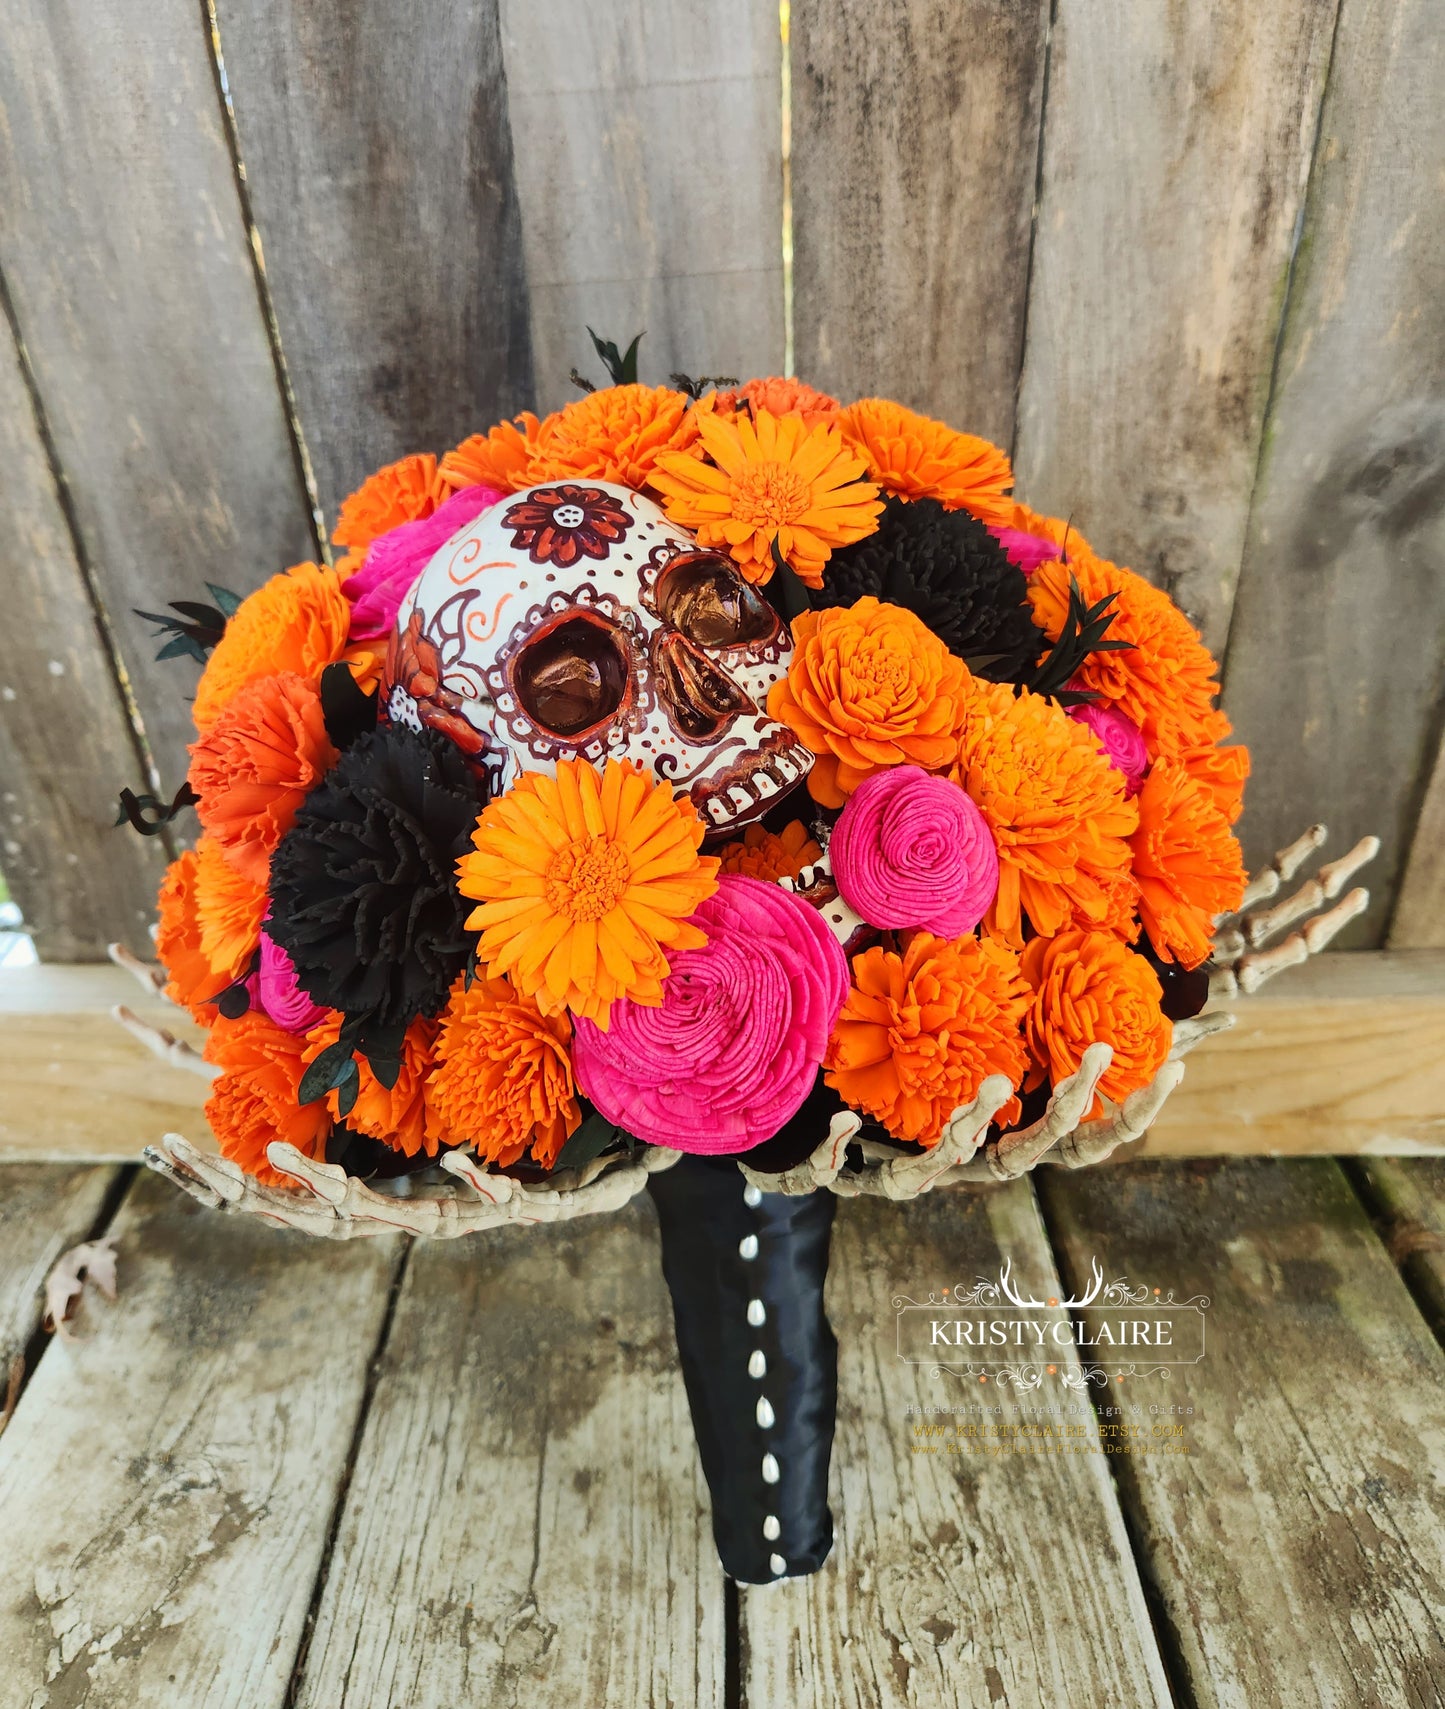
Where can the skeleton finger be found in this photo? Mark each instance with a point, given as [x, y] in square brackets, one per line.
[1095, 1141]
[1283, 867]
[163, 1044]
[145, 973]
[818, 1170]
[908, 1177]
[1014, 1154]
[1327, 883]
[1254, 967]
[1188, 1034]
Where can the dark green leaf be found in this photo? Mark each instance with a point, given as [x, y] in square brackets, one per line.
[346, 1092]
[227, 602]
[622, 367]
[590, 1140]
[329, 1071]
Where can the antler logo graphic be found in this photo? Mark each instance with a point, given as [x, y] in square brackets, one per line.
[1011, 1293]
[1091, 1293]
[1029, 1303]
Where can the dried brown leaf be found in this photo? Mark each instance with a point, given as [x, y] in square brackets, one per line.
[91, 1261]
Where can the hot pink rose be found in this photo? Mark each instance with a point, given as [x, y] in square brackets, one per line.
[1120, 738]
[278, 993]
[1028, 551]
[736, 1045]
[394, 561]
[914, 850]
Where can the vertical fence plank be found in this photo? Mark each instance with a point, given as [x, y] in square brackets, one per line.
[375, 144]
[66, 744]
[1338, 642]
[647, 139]
[915, 139]
[1176, 148]
[133, 286]
[1419, 918]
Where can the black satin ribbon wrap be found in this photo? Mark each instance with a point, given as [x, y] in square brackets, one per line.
[704, 1220]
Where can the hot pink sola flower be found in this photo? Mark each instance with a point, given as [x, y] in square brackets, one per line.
[277, 992]
[394, 560]
[914, 850]
[735, 1047]
[1120, 738]
[1028, 551]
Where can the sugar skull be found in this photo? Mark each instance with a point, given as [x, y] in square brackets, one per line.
[575, 620]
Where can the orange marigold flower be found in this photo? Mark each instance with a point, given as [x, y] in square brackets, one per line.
[1165, 680]
[296, 622]
[778, 397]
[404, 491]
[1089, 988]
[615, 434]
[501, 457]
[915, 457]
[254, 1099]
[1221, 769]
[1055, 805]
[192, 982]
[770, 481]
[870, 685]
[399, 1115]
[229, 910]
[583, 879]
[255, 765]
[771, 855]
[503, 1076]
[1187, 862]
[920, 1032]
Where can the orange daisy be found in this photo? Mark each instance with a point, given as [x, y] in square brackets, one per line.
[501, 457]
[192, 983]
[1165, 680]
[229, 910]
[503, 1076]
[399, 1115]
[254, 1099]
[779, 397]
[584, 880]
[770, 481]
[255, 766]
[297, 621]
[920, 1032]
[615, 434]
[1187, 862]
[870, 685]
[1089, 988]
[914, 457]
[1055, 805]
[771, 855]
[404, 491]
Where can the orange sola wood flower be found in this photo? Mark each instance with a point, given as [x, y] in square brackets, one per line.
[614, 434]
[1187, 863]
[404, 491]
[500, 457]
[779, 397]
[192, 981]
[769, 480]
[229, 910]
[397, 1115]
[771, 855]
[920, 1032]
[1055, 805]
[584, 881]
[503, 1076]
[297, 621]
[870, 685]
[254, 1099]
[915, 457]
[1091, 988]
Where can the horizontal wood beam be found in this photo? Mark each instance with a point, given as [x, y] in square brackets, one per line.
[1345, 1055]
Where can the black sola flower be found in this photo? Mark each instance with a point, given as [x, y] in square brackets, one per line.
[363, 887]
[946, 568]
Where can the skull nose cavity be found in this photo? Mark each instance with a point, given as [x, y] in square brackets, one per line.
[701, 699]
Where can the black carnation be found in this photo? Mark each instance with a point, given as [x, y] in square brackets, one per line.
[363, 886]
[946, 568]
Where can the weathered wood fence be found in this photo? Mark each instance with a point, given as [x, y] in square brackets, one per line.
[1186, 261]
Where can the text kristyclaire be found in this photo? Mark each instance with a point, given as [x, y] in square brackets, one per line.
[1025, 1332]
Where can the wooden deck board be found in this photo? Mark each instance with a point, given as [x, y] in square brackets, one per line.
[954, 1579]
[42, 1212]
[1299, 1548]
[168, 1480]
[527, 1523]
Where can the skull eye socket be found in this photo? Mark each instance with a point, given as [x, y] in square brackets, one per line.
[703, 595]
[572, 675]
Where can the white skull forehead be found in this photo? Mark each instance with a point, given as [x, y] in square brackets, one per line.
[573, 620]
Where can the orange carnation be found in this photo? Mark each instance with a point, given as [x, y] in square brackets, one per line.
[615, 434]
[1089, 988]
[297, 621]
[253, 1101]
[1055, 805]
[769, 855]
[1222, 770]
[404, 491]
[869, 686]
[396, 1115]
[1187, 862]
[1165, 680]
[501, 457]
[503, 1076]
[921, 1032]
[229, 910]
[778, 397]
[256, 764]
[769, 481]
[914, 457]
[192, 983]
[583, 880]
